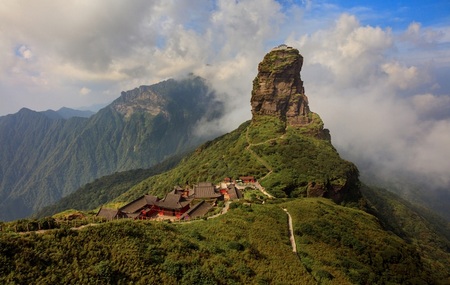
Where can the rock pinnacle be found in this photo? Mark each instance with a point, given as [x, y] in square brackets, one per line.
[278, 89]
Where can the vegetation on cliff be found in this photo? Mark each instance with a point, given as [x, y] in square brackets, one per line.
[288, 161]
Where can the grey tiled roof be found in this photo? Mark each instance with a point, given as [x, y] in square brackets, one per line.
[108, 214]
[205, 190]
[173, 201]
[139, 204]
[234, 193]
[199, 210]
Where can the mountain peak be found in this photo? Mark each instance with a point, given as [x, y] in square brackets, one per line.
[278, 89]
[142, 99]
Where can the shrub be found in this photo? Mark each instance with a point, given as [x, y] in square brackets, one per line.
[236, 246]
[323, 275]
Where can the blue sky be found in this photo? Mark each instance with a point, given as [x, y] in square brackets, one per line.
[394, 14]
[376, 71]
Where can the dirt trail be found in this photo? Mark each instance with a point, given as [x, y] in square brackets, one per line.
[261, 160]
[291, 232]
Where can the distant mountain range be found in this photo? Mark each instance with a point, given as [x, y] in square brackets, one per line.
[67, 113]
[47, 155]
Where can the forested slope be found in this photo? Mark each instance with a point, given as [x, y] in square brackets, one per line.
[45, 158]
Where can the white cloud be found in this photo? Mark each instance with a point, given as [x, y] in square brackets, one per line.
[402, 77]
[24, 52]
[85, 91]
[347, 52]
[421, 37]
[431, 107]
[369, 97]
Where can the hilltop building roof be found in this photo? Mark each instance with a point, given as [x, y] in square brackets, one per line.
[109, 214]
[173, 201]
[233, 192]
[205, 190]
[139, 204]
[282, 47]
[199, 210]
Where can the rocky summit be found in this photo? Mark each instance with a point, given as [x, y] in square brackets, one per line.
[278, 89]
[142, 99]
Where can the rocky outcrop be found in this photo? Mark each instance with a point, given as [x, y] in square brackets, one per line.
[142, 99]
[318, 170]
[337, 190]
[278, 89]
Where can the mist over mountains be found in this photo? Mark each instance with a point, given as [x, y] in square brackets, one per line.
[47, 155]
[318, 225]
[379, 82]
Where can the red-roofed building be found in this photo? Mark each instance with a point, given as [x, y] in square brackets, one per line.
[248, 179]
[147, 206]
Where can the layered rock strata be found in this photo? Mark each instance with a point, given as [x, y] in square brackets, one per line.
[278, 89]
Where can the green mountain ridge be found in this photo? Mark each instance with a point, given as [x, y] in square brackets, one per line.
[44, 159]
[287, 162]
[415, 191]
[67, 113]
[285, 145]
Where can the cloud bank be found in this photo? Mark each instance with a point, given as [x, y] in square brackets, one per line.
[384, 93]
[385, 109]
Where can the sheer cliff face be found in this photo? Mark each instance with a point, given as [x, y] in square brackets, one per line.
[278, 89]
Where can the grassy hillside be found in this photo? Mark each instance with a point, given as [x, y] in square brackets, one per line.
[287, 161]
[420, 227]
[248, 245]
[352, 245]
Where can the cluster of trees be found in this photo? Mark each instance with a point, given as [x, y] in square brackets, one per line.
[27, 225]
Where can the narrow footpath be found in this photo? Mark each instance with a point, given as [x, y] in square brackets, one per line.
[291, 232]
[260, 160]
[257, 157]
[224, 211]
[263, 190]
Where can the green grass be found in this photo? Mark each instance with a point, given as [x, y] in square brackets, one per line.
[248, 245]
[265, 128]
[272, 62]
[254, 249]
[352, 246]
[294, 155]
